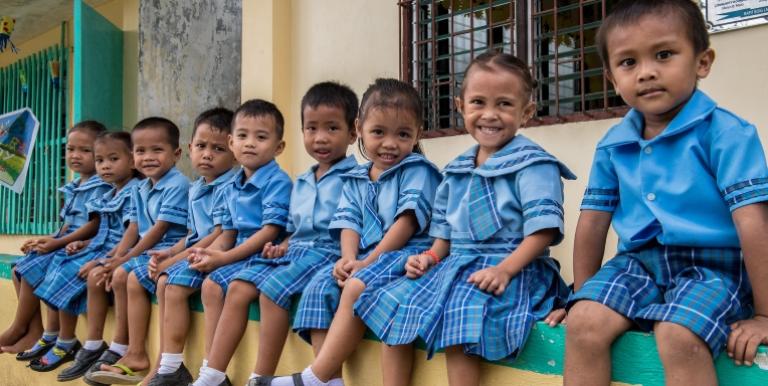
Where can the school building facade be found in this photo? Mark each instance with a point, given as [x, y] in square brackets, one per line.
[276, 49]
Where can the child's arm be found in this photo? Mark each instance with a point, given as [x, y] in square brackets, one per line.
[153, 236]
[85, 232]
[752, 225]
[417, 265]
[589, 245]
[178, 252]
[350, 246]
[495, 279]
[209, 259]
[272, 251]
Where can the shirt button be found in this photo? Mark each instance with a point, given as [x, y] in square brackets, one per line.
[650, 196]
[648, 150]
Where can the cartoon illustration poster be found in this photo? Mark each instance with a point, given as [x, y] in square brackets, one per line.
[18, 131]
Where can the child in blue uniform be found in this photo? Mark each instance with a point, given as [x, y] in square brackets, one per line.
[77, 225]
[684, 184]
[488, 277]
[256, 213]
[64, 286]
[386, 205]
[328, 117]
[158, 221]
[212, 161]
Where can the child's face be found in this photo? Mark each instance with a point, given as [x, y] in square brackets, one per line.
[153, 153]
[209, 152]
[388, 135]
[494, 105]
[79, 153]
[326, 134]
[114, 161]
[254, 141]
[653, 66]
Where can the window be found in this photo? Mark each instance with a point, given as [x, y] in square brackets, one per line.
[440, 38]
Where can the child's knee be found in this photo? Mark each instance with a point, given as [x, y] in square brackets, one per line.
[242, 292]
[119, 278]
[591, 323]
[678, 344]
[176, 294]
[211, 291]
[352, 289]
[133, 284]
[95, 277]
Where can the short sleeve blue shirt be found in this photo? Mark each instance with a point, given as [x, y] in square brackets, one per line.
[680, 187]
[202, 203]
[262, 199]
[409, 185]
[166, 201]
[528, 187]
[314, 202]
[114, 209]
[74, 213]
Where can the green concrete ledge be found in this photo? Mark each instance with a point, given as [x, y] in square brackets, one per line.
[635, 358]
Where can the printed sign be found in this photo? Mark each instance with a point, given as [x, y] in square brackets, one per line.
[18, 131]
[722, 15]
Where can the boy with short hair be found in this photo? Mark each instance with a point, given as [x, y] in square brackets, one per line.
[158, 221]
[256, 213]
[328, 117]
[684, 183]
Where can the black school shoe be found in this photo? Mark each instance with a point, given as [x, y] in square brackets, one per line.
[62, 356]
[180, 377]
[39, 349]
[108, 357]
[83, 361]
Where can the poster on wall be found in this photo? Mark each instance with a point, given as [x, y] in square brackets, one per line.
[724, 15]
[18, 131]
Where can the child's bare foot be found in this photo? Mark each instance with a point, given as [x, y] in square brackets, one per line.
[10, 336]
[25, 342]
[135, 363]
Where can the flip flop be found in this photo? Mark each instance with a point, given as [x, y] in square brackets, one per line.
[129, 377]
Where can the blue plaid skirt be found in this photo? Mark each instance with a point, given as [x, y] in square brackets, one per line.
[287, 280]
[444, 310]
[181, 275]
[62, 288]
[224, 275]
[322, 294]
[33, 267]
[704, 290]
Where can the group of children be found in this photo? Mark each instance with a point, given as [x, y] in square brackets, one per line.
[458, 259]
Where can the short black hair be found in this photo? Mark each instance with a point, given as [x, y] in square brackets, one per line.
[93, 127]
[218, 118]
[332, 94]
[686, 12]
[507, 62]
[123, 137]
[170, 128]
[395, 94]
[261, 108]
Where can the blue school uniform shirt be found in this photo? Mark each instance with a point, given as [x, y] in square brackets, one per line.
[680, 187]
[206, 205]
[526, 183]
[409, 185]
[74, 213]
[167, 200]
[114, 209]
[262, 199]
[313, 204]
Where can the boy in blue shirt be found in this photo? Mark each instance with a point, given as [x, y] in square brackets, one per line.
[158, 221]
[328, 112]
[256, 213]
[684, 183]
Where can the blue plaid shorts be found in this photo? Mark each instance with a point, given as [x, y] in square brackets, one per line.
[139, 266]
[288, 280]
[181, 275]
[702, 289]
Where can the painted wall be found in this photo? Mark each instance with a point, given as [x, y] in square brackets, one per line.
[188, 59]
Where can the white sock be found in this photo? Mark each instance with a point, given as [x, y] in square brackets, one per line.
[118, 348]
[307, 376]
[50, 336]
[92, 345]
[336, 382]
[169, 363]
[203, 366]
[253, 375]
[66, 342]
[210, 377]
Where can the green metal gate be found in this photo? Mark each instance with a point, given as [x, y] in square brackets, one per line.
[29, 83]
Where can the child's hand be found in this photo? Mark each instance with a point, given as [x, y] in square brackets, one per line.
[349, 268]
[555, 317]
[491, 279]
[74, 247]
[745, 336]
[273, 251]
[29, 245]
[417, 265]
[204, 260]
[159, 255]
[86, 268]
[45, 245]
[108, 266]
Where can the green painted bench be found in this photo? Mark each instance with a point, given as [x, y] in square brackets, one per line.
[635, 357]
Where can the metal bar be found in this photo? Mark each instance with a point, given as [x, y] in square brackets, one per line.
[581, 58]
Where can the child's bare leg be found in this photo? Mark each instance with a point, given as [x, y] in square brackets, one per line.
[98, 305]
[51, 319]
[177, 318]
[463, 369]
[120, 294]
[272, 334]
[235, 312]
[343, 336]
[318, 338]
[161, 303]
[138, 309]
[67, 324]
[397, 364]
[27, 314]
[686, 358]
[592, 328]
[213, 303]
